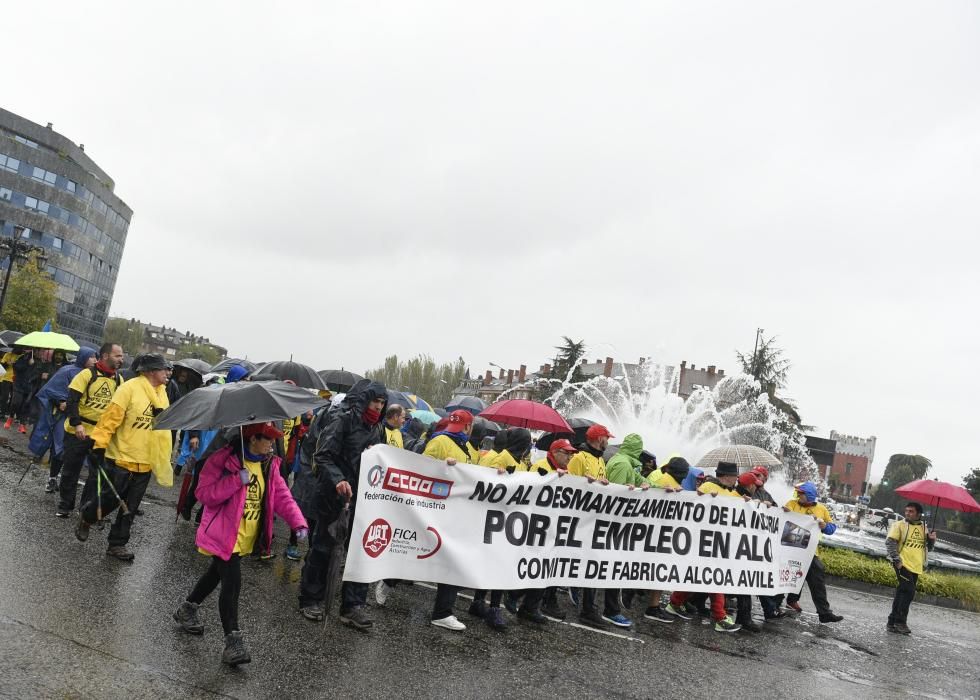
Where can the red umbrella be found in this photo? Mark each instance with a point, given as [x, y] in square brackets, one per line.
[522, 413]
[941, 495]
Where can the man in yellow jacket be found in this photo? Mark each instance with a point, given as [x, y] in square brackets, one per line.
[453, 442]
[908, 544]
[806, 503]
[394, 420]
[130, 449]
[588, 461]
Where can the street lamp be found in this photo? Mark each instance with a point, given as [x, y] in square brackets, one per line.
[17, 250]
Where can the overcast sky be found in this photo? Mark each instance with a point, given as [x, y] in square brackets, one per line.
[343, 181]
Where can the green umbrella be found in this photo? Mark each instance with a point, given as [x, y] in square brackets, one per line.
[48, 341]
[427, 417]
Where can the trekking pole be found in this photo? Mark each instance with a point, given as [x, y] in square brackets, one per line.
[30, 464]
[112, 487]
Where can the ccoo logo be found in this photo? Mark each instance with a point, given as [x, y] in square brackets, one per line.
[375, 475]
[377, 537]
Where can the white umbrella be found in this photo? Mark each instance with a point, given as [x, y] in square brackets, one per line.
[745, 456]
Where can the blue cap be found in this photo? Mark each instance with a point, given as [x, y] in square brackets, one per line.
[236, 373]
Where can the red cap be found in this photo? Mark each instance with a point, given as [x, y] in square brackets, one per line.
[597, 431]
[459, 420]
[761, 471]
[562, 444]
[749, 478]
[266, 430]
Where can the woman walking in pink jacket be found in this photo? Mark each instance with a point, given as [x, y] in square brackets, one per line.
[240, 498]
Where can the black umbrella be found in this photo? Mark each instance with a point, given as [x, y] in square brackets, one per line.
[335, 563]
[489, 427]
[441, 412]
[240, 403]
[228, 363]
[194, 365]
[578, 425]
[472, 404]
[9, 338]
[300, 374]
[399, 398]
[339, 379]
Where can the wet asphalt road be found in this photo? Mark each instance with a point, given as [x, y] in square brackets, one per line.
[74, 624]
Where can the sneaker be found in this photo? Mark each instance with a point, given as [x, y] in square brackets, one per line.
[693, 609]
[726, 625]
[658, 615]
[592, 619]
[21, 429]
[313, 612]
[7, 425]
[553, 612]
[186, 617]
[495, 618]
[777, 615]
[573, 596]
[532, 616]
[264, 556]
[52, 485]
[449, 623]
[478, 609]
[292, 552]
[235, 652]
[120, 552]
[892, 628]
[902, 628]
[794, 606]
[357, 618]
[680, 612]
[619, 620]
[749, 625]
[512, 603]
[62, 513]
[830, 617]
[381, 592]
[82, 530]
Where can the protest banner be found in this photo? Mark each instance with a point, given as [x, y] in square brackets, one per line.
[423, 520]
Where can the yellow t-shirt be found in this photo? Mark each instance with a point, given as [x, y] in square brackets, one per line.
[97, 391]
[8, 361]
[711, 487]
[394, 437]
[487, 458]
[248, 530]
[539, 466]
[586, 464]
[912, 545]
[663, 480]
[504, 460]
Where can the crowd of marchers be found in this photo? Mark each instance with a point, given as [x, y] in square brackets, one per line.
[305, 471]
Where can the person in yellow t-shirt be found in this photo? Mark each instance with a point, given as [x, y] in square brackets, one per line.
[7, 383]
[394, 420]
[806, 503]
[588, 461]
[908, 544]
[130, 449]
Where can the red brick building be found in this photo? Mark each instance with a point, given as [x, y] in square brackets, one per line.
[848, 477]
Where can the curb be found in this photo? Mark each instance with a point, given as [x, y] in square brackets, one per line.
[889, 591]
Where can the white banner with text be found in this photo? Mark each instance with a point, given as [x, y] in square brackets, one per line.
[423, 520]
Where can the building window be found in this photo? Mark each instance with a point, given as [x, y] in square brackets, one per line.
[9, 163]
[71, 186]
[848, 467]
[36, 204]
[26, 142]
[5, 193]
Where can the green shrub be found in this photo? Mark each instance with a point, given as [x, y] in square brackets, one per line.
[860, 567]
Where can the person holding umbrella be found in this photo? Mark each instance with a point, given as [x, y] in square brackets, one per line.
[908, 545]
[337, 465]
[127, 450]
[242, 491]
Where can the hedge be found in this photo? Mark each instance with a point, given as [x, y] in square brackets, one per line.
[860, 567]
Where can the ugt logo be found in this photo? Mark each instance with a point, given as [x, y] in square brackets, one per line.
[377, 537]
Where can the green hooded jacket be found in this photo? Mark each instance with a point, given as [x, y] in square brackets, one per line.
[624, 467]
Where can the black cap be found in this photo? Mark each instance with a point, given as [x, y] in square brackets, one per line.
[678, 468]
[150, 362]
[726, 469]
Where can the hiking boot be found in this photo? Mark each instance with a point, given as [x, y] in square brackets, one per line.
[892, 628]
[449, 623]
[619, 620]
[794, 606]
[357, 618]
[592, 619]
[657, 614]
[381, 593]
[235, 652]
[62, 513]
[120, 552]
[478, 609]
[726, 625]
[680, 612]
[777, 615]
[830, 617]
[902, 628]
[495, 618]
[532, 616]
[292, 552]
[553, 612]
[749, 625]
[512, 603]
[313, 612]
[186, 617]
[52, 486]
[82, 530]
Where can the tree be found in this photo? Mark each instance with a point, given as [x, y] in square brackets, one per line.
[421, 376]
[900, 470]
[31, 299]
[968, 523]
[766, 364]
[567, 359]
[129, 334]
[199, 351]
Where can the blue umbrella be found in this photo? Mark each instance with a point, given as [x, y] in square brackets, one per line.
[472, 404]
[427, 417]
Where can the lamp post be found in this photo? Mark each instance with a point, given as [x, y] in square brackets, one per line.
[17, 250]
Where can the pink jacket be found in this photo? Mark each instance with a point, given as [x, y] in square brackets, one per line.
[221, 491]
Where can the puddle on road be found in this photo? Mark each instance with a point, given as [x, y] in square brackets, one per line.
[877, 684]
[841, 644]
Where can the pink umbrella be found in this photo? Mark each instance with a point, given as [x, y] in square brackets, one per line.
[522, 413]
[940, 494]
